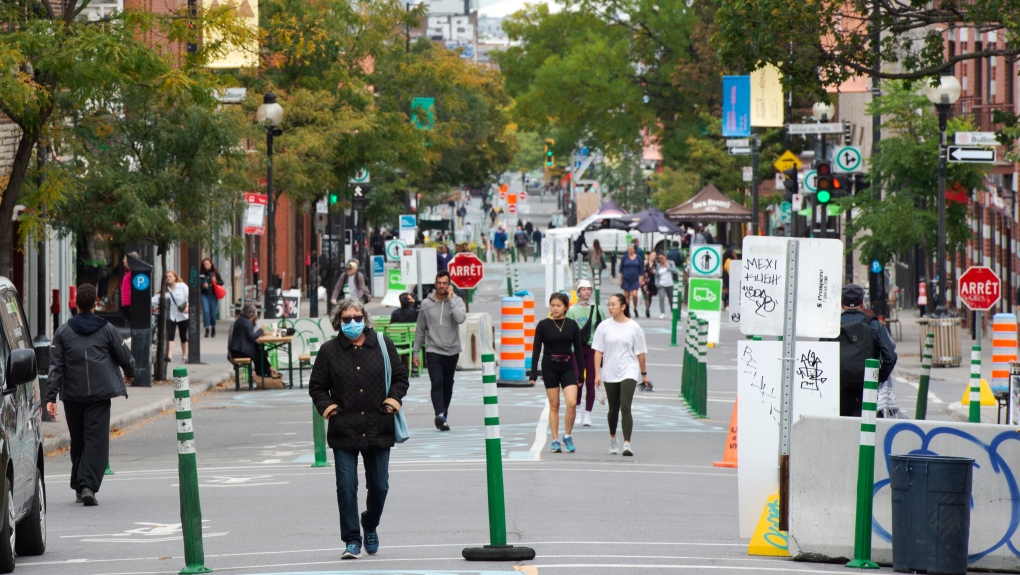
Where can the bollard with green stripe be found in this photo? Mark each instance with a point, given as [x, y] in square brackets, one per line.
[509, 278]
[497, 549]
[866, 470]
[685, 374]
[975, 384]
[701, 385]
[922, 385]
[187, 472]
[598, 287]
[676, 312]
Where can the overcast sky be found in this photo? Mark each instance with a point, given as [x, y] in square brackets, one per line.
[501, 8]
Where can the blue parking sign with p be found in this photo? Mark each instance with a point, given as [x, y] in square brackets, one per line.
[140, 281]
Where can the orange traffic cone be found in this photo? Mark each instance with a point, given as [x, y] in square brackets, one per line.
[730, 453]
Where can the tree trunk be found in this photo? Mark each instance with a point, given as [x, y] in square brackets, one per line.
[9, 199]
[159, 371]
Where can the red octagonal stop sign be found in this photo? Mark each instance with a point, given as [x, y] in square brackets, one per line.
[979, 288]
[465, 270]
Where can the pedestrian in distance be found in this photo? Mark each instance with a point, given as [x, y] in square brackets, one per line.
[564, 354]
[499, 242]
[536, 240]
[348, 386]
[175, 300]
[860, 338]
[620, 350]
[439, 319]
[588, 317]
[243, 342]
[665, 274]
[631, 273]
[649, 285]
[675, 256]
[406, 313]
[86, 360]
[443, 257]
[521, 243]
[125, 287]
[356, 280]
[210, 303]
[596, 259]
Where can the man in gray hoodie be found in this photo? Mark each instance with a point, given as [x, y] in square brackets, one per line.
[86, 360]
[439, 320]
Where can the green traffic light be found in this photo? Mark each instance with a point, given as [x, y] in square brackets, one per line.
[824, 197]
[333, 198]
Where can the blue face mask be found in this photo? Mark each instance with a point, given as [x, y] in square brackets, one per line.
[353, 329]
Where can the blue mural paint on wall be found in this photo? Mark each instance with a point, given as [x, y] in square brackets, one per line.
[998, 466]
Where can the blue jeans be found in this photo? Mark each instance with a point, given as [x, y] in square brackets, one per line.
[377, 478]
[209, 305]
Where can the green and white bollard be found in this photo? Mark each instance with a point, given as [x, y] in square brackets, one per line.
[922, 385]
[866, 470]
[509, 279]
[108, 470]
[975, 384]
[676, 312]
[187, 473]
[497, 550]
[701, 391]
[517, 279]
[598, 287]
[319, 438]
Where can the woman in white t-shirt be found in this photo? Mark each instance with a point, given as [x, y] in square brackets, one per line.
[620, 351]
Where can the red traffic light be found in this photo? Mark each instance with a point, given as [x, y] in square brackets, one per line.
[824, 169]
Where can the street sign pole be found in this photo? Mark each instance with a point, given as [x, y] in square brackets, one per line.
[786, 399]
[754, 182]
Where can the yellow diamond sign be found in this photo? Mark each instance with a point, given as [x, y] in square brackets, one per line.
[787, 161]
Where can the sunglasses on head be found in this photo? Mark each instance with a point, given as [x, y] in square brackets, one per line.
[351, 318]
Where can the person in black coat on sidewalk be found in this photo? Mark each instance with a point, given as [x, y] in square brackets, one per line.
[348, 388]
[86, 360]
[244, 342]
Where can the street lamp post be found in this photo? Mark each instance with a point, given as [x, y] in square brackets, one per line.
[269, 114]
[943, 95]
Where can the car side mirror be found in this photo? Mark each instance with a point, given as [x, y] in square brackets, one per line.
[20, 369]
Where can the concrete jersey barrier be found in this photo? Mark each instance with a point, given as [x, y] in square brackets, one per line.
[823, 483]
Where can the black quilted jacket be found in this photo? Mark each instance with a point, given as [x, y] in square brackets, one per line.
[354, 379]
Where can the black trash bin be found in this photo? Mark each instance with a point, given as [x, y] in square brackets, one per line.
[930, 513]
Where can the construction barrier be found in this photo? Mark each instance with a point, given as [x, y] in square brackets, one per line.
[529, 329]
[730, 451]
[511, 344]
[1003, 348]
[866, 470]
[187, 476]
[922, 387]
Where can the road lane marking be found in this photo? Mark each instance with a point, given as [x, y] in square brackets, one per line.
[541, 430]
[931, 396]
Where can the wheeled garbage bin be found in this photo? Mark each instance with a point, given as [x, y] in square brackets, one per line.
[930, 513]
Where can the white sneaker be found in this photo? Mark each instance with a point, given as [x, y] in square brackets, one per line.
[586, 421]
[614, 446]
[626, 448]
[578, 417]
[662, 316]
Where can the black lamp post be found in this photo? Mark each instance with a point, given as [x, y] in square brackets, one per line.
[943, 95]
[270, 114]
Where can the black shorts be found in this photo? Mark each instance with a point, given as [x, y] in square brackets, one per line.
[181, 326]
[553, 379]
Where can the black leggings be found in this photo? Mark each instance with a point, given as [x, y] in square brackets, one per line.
[260, 363]
[620, 395]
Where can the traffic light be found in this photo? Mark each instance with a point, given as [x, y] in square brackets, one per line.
[842, 186]
[334, 197]
[860, 183]
[790, 183]
[823, 183]
[549, 159]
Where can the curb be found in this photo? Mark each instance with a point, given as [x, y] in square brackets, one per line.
[51, 444]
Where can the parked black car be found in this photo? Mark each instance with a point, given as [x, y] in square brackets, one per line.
[23, 521]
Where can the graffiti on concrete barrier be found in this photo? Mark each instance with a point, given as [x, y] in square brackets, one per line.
[990, 465]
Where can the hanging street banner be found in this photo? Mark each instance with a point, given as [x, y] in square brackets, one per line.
[767, 104]
[255, 215]
[423, 113]
[736, 120]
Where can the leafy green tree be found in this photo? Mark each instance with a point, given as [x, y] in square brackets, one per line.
[531, 152]
[819, 44]
[908, 162]
[62, 65]
[673, 187]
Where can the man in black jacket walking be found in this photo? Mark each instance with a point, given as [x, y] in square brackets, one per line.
[86, 360]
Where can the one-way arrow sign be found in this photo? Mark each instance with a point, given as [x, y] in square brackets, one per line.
[740, 151]
[971, 155]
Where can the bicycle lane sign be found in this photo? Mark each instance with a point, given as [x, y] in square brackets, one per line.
[704, 294]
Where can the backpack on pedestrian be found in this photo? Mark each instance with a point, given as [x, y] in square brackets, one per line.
[520, 239]
[856, 345]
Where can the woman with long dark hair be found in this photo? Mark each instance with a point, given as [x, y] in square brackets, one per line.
[564, 354]
[620, 350]
[208, 275]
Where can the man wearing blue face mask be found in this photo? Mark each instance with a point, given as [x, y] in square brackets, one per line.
[439, 320]
[349, 389]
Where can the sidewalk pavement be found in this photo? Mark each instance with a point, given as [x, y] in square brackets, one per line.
[908, 348]
[145, 402]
